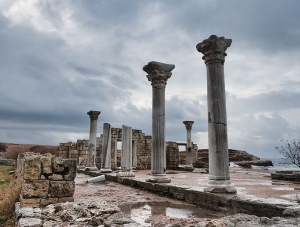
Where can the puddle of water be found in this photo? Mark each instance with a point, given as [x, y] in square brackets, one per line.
[140, 212]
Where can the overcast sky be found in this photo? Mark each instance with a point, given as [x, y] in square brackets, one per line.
[60, 59]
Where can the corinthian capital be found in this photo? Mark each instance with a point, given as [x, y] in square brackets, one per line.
[188, 124]
[214, 48]
[158, 73]
[93, 114]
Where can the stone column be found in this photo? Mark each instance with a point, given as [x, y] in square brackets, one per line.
[213, 50]
[126, 156]
[134, 154]
[91, 165]
[188, 156]
[106, 149]
[158, 74]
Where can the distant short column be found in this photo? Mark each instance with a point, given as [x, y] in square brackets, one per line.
[91, 165]
[158, 74]
[126, 155]
[189, 156]
[214, 53]
[106, 149]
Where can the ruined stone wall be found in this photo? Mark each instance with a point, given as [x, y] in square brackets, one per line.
[141, 142]
[172, 154]
[74, 150]
[45, 179]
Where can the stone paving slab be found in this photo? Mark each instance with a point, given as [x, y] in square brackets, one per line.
[256, 194]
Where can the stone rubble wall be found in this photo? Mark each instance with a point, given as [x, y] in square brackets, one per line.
[46, 179]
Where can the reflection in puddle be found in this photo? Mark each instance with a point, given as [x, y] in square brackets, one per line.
[142, 211]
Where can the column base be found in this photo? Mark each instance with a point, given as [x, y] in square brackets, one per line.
[220, 186]
[81, 167]
[159, 178]
[189, 167]
[91, 168]
[105, 170]
[126, 174]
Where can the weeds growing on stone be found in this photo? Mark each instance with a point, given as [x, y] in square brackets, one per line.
[10, 191]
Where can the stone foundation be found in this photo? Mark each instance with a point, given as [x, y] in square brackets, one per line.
[46, 179]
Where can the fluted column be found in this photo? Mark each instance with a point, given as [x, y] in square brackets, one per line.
[188, 154]
[213, 50]
[106, 149]
[158, 74]
[126, 155]
[91, 165]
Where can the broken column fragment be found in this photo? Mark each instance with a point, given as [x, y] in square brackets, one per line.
[106, 149]
[126, 155]
[158, 74]
[91, 165]
[213, 50]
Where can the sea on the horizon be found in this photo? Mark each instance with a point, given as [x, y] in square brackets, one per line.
[279, 164]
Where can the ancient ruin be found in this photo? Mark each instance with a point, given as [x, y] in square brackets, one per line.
[106, 149]
[45, 179]
[213, 50]
[158, 74]
[189, 155]
[126, 156]
[91, 164]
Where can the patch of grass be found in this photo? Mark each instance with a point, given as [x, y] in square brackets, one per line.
[5, 177]
[9, 195]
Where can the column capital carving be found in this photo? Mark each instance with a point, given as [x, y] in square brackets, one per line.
[188, 124]
[93, 114]
[214, 48]
[158, 73]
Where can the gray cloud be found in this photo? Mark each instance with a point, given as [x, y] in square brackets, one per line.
[62, 59]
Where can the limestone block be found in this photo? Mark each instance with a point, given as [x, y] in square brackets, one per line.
[47, 201]
[30, 222]
[35, 188]
[29, 201]
[57, 164]
[32, 167]
[46, 163]
[56, 177]
[62, 188]
[65, 199]
[70, 169]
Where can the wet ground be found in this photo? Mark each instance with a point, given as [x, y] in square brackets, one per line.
[149, 209]
[146, 208]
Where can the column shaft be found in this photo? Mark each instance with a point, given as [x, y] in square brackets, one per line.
[91, 165]
[213, 50]
[106, 149]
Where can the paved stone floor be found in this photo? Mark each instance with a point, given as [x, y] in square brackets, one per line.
[252, 183]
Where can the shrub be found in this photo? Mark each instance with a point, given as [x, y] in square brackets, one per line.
[290, 150]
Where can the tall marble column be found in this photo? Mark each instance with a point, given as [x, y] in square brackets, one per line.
[91, 165]
[213, 50]
[106, 149]
[126, 155]
[158, 74]
[188, 156]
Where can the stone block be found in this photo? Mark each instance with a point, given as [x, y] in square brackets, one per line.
[47, 201]
[57, 164]
[32, 168]
[29, 222]
[46, 163]
[70, 169]
[35, 188]
[62, 188]
[55, 177]
[65, 199]
[29, 201]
